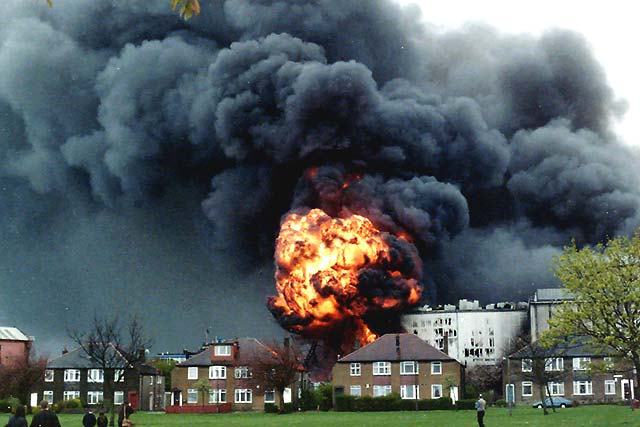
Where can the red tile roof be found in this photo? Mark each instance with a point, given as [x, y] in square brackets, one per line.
[384, 349]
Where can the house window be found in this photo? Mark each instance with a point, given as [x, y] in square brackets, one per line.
[243, 395]
[527, 365]
[95, 376]
[436, 391]
[48, 396]
[159, 381]
[192, 395]
[71, 375]
[527, 388]
[243, 372]
[222, 350]
[556, 388]
[217, 372]
[381, 390]
[68, 395]
[608, 363]
[381, 368]
[409, 392]
[48, 375]
[582, 388]
[581, 363]
[355, 370]
[118, 397]
[192, 373]
[150, 380]
[436, 368]
[269, 396]
[554, 364]
[609, 387]
[355, 390]
[408, 368]
[94, 397]
[218, 396]
[118, 375]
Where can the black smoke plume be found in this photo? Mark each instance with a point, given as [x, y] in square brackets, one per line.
[130, 139]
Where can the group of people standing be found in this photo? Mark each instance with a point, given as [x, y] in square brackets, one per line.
[48, 418]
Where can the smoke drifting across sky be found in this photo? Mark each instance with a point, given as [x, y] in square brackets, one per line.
[145, 162]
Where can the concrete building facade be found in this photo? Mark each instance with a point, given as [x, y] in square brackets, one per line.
[542, 307]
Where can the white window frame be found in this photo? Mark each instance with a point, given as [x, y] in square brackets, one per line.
[118, 397]
[581, 363]
[220, 393]
[222, 350]
[588, 388]
[94, 397]
[159, 380]
[556, 388]
[49, 375]
[409, 368]
[435, 390]
[242, 372]
[410, 392]
[217, 372]
[609, 387]
[381, 390]
[95, 376]
[70, 394]
[355, 369]
[118, 375]
[48, 396]
[554, 364]
[381, 368]
[527, 365]
[272, 396]
[192, 373]
[528, 384]
[72, 375]
[192, 395]
[243, 395]
[436, 368]
[355, 390]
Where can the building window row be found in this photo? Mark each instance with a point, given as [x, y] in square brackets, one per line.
[406, 391]
[580, 388]
[93, 397]
[93, 375]
[384, 368]
[557, 364]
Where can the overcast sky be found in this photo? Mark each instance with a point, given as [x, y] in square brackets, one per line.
[611, 28]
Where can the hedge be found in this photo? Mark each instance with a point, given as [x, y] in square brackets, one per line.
[393, 402]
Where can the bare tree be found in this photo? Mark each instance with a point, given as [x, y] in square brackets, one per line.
[111, 349]
[19, 378]
[277, 367]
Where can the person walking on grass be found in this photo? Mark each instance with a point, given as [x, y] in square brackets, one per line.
[89, 419]
[103, 420]
[481, 406]
[18, 420]
[45, 418]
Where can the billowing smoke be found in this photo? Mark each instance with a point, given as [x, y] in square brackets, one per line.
[488, 151]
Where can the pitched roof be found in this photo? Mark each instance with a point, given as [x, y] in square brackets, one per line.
[247, 349]
[552, 294]
[8, 333]
[572, 347]
[78, 359]
[384, 349]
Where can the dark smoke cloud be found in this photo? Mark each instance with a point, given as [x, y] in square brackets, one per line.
[134, 145]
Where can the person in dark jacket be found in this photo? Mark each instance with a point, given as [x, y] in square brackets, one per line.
[45, 418]
[124, 412]
[89, 419]
[18, 420]
[103, 420]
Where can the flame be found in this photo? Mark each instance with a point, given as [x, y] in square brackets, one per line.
[319, 260]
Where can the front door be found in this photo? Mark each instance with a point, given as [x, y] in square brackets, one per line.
[133, 399]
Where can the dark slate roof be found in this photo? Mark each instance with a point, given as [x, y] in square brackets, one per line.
[12, 334]
[572, 347]
[384, 349]
[553, 294]
[247, 349]
[78, 359]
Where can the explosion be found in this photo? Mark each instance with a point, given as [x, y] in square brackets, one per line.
[340, 279]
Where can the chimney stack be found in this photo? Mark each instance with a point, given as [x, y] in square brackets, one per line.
[445, 338]
[398, 345]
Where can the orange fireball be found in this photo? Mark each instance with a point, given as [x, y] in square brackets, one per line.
[320, 265]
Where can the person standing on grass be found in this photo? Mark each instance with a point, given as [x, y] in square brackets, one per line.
[89, 419]
[481, 406]
[18, 420]
[103, 420]
[45, 418]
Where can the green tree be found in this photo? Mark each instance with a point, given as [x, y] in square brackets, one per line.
[203, 386]
[605, 284]
[166, 367]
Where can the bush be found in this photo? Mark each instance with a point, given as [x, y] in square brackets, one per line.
[9, 404]
[501, 403]
[442, 404]
[288, 408]
[309, 400]
[466, 404]
[345, 403]
[324, 396]
[270, 408]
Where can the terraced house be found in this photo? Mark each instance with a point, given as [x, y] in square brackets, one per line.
[219, 379]
[398, 363]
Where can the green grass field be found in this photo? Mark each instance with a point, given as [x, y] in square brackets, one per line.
[597, 416]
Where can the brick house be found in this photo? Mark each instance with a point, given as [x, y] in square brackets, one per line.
[225, 366]
[14, 346]
[73, 375]
[398, 363]
[572, 373]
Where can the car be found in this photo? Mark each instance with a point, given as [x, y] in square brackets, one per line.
[558, 402]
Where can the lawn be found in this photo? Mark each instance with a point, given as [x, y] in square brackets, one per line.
[597, 416]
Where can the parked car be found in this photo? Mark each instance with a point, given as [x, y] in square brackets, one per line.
[558, 402]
